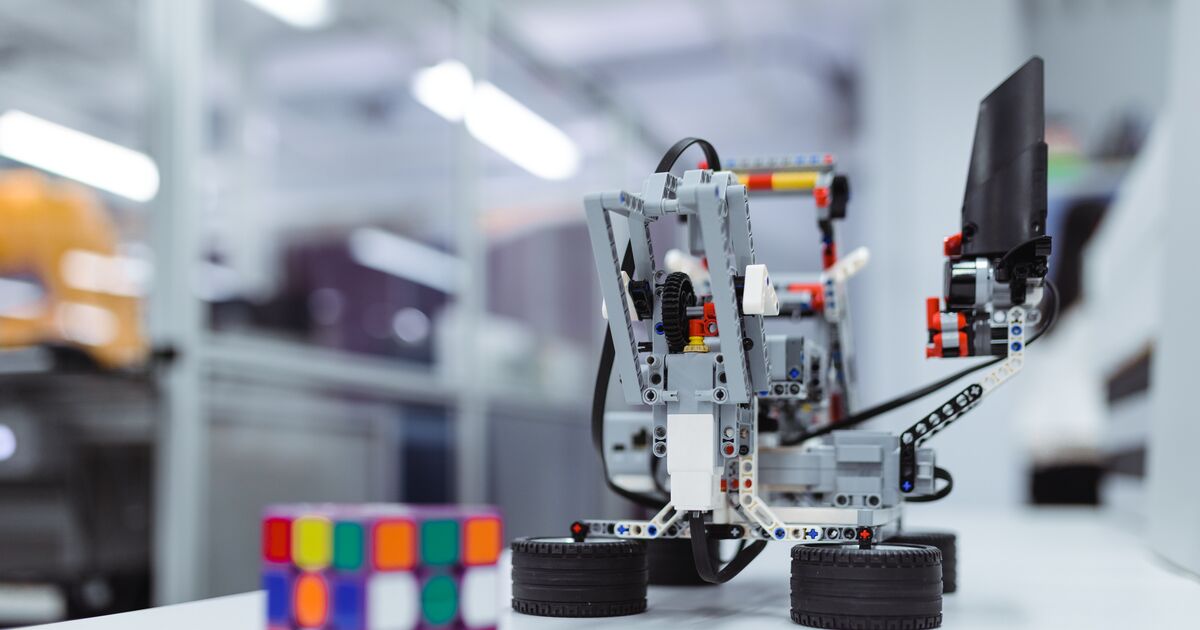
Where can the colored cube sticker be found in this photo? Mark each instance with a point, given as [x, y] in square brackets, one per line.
[482, 541]
[312, 538]
[439, 542]
[348, 546]
[377, 566]
[394, 545]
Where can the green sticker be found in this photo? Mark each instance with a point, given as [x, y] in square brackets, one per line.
[347, 546]
[439, 600]
[439, 542]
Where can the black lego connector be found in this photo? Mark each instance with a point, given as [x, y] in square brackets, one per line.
[839, 196]
[642, 295]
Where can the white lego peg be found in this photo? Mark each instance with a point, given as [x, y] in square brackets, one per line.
[759, 297]
[628, 300]
[849, 265]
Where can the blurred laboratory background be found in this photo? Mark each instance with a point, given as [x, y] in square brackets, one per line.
[258, 251]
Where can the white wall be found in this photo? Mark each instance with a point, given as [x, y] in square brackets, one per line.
[1175, 432]
[928, 66]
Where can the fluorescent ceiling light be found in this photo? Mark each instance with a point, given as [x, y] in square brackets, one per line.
[445, 88]
[299, 13]
[405, 258]
[76, 155]
[516, 132]
[498, 120]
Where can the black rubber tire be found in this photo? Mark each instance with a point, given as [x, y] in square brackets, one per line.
[558, 577]
[946, 542]
[672, 563]
[887, 587]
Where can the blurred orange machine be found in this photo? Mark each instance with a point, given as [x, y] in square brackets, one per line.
[58, 236]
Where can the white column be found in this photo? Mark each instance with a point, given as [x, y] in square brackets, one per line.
[1173, 499]
[471, 424]
[928, 66]
[175, 38]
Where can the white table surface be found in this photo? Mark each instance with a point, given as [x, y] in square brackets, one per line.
[1051, 569]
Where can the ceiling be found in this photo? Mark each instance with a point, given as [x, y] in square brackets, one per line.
[327, 116]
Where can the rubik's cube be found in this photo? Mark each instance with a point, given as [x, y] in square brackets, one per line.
[381, 567]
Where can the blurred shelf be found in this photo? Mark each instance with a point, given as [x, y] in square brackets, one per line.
[248, 357]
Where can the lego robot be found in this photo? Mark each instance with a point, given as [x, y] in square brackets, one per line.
[748, 432]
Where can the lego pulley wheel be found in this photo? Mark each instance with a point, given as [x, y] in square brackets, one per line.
[677, 296]
[887, 586]
[946, 543]
[559, 577]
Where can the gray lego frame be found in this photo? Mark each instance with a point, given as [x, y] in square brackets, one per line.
[703, 402]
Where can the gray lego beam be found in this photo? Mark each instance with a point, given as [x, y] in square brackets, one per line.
[707, 200]
[608, 269]
[741, 239]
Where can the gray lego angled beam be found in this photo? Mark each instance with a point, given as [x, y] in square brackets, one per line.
[707, 200]
[608, 269]
[741, 238]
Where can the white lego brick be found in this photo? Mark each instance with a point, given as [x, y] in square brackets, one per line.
[393, 601]
[759, 296]
[480, 591]
[691, 460]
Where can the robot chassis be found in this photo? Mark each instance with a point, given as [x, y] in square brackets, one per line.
[693, 348]
[704, 400]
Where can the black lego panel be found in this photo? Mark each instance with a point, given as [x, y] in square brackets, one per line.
[1005, 201]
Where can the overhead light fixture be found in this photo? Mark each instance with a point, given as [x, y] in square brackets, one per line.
[77, 155]
[405, 258]
[306, 14]
[445, 88]
[496, 119]
[516, 132]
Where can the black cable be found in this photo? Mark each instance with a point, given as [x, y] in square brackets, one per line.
[938, 473]
[705, 566]
[915, 395]
[608, 351]
[676, 151]
[655, 464]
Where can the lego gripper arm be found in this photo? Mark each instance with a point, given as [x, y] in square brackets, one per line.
[999, 258]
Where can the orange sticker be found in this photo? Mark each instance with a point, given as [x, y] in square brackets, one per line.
[482, 541]
[312, 601]
[394, 546]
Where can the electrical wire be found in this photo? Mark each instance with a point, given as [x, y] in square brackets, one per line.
[913, 396]
[608, 350]
[705, 566]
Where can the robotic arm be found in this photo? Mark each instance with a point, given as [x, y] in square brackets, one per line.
[996, 266]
